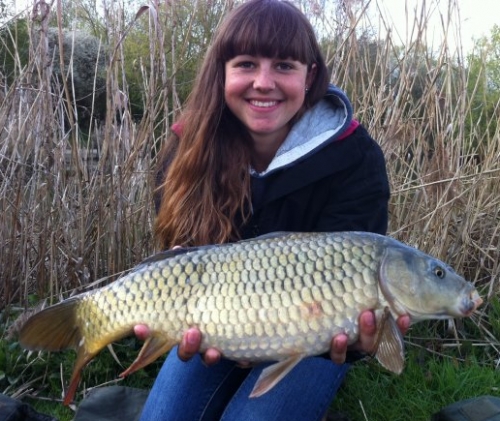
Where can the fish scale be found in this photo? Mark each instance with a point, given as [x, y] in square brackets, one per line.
[214, 320]
[280, 297]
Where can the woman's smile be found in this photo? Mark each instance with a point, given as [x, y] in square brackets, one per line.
[263, 104]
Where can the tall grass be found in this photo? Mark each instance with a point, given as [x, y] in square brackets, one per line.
[77, 205]
[73, 210]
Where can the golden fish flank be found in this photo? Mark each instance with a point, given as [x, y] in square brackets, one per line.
[280, 297]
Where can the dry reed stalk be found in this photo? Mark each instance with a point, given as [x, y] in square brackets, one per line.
[69, 219]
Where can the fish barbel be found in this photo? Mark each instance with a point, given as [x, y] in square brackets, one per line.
[280, 297]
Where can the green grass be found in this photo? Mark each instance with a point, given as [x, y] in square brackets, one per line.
[37, 378]
[427, 384]
[443, 366]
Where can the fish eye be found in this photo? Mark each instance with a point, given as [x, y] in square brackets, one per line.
[439, 272]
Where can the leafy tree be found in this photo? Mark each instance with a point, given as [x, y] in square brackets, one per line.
[483, 88]
[14, 49]
[84, 59]
[186, 30]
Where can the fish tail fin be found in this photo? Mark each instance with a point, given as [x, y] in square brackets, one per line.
[52, 329]
[57, 328]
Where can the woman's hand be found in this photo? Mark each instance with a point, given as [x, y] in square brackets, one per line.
[189, 346]
[367, 337]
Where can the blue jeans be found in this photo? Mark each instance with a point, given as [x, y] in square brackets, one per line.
[190, 391]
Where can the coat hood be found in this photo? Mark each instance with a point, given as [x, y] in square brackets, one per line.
[322, 124]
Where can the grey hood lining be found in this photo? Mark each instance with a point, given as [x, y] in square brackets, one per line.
[330, 117]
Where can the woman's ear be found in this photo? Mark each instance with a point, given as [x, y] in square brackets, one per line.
[311, 74]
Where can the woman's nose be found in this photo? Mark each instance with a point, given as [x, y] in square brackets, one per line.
[264, 80]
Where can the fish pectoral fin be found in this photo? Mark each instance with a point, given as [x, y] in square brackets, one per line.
[389, 345]
[273, 374]
[154, 347]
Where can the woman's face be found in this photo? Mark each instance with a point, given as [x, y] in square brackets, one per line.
[266, 93]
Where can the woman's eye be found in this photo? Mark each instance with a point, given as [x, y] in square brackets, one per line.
[245, 64]
[284, 66]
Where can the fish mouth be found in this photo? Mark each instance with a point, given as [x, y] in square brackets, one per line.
[470, 304]
[466, 306]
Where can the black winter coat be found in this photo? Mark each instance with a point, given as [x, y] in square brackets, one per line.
[342, 187]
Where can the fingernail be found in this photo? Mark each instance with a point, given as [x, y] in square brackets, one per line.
[406, 323]
[191, 338]
[370, 320]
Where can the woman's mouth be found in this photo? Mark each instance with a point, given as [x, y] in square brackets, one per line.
[263, 104]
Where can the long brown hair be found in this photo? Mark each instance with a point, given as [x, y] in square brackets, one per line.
[205, 189]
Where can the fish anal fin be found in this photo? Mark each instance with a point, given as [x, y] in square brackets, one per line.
[82, 359]
[273, 374]
[154, 347]
[70, 392]
[389, 345]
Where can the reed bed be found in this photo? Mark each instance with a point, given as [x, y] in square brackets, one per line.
[77, 206]
[76, 202]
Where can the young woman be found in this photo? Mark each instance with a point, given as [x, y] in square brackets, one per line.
[263, 144]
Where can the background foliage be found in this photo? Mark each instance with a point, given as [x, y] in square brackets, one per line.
[79, 132]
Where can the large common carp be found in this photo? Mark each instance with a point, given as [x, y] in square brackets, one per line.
[279, 297]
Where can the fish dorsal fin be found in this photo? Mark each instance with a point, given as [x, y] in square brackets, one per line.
[272, 375]
[165, 254]
[154, 347]
[389, 345]
[274, 234]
